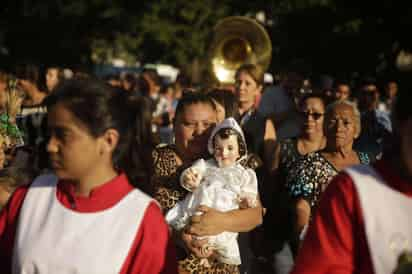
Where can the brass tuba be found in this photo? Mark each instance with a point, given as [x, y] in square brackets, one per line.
[238, 40]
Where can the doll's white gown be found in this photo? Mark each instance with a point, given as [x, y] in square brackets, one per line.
[221, 189]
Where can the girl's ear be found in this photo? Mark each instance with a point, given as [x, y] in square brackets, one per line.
[109, 139]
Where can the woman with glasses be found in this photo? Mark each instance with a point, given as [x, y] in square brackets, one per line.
[363, 223]
[287, 153]
[309, 177]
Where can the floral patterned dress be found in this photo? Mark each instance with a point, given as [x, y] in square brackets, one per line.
[289, 155]
[311, 175]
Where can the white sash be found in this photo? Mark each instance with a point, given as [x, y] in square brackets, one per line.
[387, 216]
[53, 239]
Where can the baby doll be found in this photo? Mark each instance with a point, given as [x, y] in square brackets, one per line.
[221, 183]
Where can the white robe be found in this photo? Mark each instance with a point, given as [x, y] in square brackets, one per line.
[221, 189]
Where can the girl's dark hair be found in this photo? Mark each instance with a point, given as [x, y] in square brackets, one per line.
[100, 107]
[225, 133]
[193, 98]
[227, 99]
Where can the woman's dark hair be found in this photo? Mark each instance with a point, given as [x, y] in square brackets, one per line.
[225, 133]
[28, 72]
[132, 80]
[193, 98]
[60, 72]
[164, 90]
[253, 71]
[142, 86]
[100, 107]
[402, 110]
[227, 99]
[183, 80]
[153, 75]
[317, 95]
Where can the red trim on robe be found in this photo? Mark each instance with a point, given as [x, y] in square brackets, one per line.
[152, 250]
[336, 240]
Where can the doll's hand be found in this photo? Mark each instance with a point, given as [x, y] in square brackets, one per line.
[247, 202]
[191, 179]
[243, 204]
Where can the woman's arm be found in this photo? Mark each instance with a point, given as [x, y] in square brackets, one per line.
[195, 246]
[303, 212]
[269, 143]
[213, 222]
[275, 162]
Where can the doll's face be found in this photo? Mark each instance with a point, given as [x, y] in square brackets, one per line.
[226, 151]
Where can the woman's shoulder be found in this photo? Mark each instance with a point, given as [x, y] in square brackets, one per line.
[164, 152]
[164, 160]
[165, 149]
[288, 146]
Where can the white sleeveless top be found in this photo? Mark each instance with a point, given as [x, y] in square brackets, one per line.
[53, 239]
[387, 216]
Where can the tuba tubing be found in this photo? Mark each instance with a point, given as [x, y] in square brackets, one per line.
[238, 40]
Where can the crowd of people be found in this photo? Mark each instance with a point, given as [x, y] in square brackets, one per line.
[134, 175]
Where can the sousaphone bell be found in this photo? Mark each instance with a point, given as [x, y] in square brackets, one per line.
[238, 40]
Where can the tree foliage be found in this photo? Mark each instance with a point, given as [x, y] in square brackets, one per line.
[336, 36]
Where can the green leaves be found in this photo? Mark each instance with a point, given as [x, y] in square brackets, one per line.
[327, 34]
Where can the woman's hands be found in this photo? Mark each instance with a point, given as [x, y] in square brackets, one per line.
[208, 222]
[196, 246]
[303, 212]
[212, 221]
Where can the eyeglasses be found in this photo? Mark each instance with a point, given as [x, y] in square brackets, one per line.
[315, 115]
